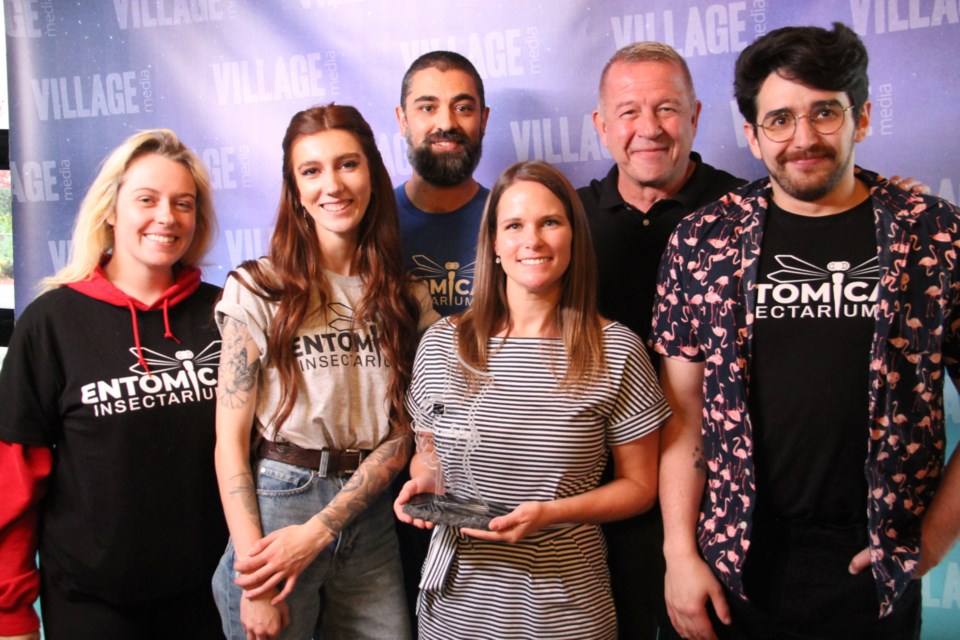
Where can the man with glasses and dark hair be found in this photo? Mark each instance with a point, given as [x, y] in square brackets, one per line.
[807, 321]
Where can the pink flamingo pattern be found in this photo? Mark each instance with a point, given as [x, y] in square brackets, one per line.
[704, 313]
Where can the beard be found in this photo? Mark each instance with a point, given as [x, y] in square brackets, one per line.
[446, 168]
[809, 187]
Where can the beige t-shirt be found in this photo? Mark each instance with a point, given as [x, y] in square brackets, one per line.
[343, 376]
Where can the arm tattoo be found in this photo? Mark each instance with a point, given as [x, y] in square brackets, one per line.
[699, 460]
[369, 481]
[237, 374]
[242, 486]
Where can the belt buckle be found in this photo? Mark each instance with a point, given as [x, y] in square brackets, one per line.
[359, 453]
[324, 467]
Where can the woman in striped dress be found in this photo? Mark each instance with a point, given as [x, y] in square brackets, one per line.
[516, 401]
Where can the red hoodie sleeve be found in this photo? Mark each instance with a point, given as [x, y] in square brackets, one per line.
[23, 474]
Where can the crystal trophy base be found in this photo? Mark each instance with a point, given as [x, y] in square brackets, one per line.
[457, 512]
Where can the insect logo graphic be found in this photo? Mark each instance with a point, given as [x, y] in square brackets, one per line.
[184, 360]
[838, 272]
[342, 316]
[447, 281]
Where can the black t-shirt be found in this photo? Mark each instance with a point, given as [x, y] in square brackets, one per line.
[629, 243]
[815, 310]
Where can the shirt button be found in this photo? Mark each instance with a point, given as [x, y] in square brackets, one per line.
[646, 222]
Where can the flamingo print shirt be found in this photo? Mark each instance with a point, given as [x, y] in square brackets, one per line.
[705, 309]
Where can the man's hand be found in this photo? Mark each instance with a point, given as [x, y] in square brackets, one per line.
[688, 585]
[911, 184]
[860, 561]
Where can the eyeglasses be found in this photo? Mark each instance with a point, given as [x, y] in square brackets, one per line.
[780, 126]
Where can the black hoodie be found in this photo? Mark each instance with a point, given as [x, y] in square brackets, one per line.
[124, 394]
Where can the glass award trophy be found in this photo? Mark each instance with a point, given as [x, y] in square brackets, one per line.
[446, 437]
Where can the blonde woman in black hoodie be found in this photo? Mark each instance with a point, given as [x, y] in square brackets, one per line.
[107, 428]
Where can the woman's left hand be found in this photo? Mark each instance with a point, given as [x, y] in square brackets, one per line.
[280, 556]
[525, 520]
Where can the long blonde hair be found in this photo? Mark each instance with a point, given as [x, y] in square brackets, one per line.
[577, 316]
[93, 235]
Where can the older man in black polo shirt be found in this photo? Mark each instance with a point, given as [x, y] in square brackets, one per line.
[647, 117]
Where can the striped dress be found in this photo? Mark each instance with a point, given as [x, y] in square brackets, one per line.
[516, 438]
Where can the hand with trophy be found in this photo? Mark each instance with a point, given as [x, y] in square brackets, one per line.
[458, 501]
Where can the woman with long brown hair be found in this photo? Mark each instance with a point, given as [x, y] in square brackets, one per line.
[318, 343]
[515, 402]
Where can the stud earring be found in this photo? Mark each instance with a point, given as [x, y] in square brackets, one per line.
[497, 260]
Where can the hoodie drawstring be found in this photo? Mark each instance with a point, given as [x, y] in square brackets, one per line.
[136, 337]
[168, 332]
[99, 287]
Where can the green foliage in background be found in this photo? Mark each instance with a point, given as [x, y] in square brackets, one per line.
[6, 235]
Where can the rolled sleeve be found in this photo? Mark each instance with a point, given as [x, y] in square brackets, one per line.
[673, 333]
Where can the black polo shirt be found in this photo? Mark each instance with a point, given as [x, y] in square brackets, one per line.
[629, 242]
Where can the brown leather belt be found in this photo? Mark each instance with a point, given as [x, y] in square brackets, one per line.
[324, 461]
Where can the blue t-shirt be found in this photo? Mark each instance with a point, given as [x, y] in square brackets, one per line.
[441, 248]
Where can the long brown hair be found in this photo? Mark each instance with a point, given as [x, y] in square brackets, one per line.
[577, 316]
[295, 257]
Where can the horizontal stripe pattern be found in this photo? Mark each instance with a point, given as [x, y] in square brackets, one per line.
[516, 438]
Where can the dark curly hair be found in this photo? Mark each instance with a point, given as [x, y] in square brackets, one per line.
[827, 60]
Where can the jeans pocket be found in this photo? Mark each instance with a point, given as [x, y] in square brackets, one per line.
[281, 479]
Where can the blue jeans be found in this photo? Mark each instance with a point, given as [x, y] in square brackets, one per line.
[353, 589]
